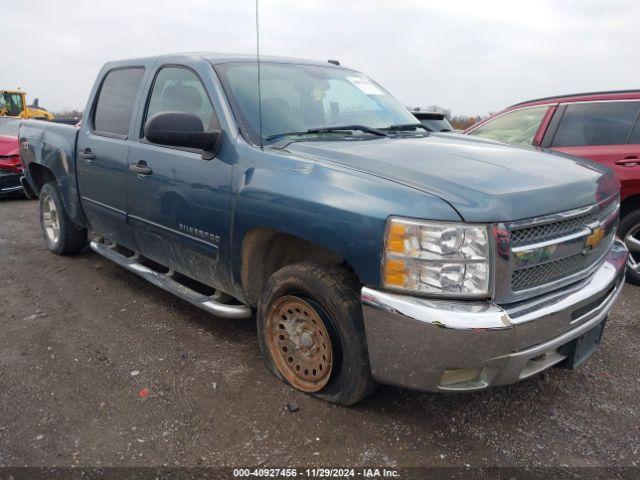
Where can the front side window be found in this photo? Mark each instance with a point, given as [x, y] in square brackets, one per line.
[515, 128]
[116, 101]
[178, 89]
[598, 123]
[296, 98]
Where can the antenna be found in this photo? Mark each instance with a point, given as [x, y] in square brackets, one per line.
[259, 89]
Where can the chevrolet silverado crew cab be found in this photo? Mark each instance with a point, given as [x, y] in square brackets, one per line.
[368, 249]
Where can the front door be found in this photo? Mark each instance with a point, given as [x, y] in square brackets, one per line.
[102, 155]
[179, 211]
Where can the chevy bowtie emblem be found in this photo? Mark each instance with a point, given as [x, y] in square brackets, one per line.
[593, 240]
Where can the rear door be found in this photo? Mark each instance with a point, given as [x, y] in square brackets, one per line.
[180, 211]
[607, 132]
[102, 153]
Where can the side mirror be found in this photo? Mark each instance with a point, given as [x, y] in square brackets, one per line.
[178, 129]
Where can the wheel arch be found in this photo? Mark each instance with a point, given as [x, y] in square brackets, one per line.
[267, 250]
[40, 175]
[630, 204]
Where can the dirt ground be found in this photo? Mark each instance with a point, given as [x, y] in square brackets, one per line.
[98, 367]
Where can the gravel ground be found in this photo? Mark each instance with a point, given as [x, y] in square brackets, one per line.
[98, 367]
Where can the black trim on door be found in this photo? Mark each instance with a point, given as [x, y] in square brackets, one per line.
[552, 128]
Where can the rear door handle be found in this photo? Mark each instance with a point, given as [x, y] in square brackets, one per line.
[630, 161]
[140, 168]
[87, 155]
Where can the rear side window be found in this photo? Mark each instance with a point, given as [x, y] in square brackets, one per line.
[116, 101]
[516, 128]
[604, 123]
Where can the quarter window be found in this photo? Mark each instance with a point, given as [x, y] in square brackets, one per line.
[180, 90]
[116, 101]
[604, 123]
[516, 128]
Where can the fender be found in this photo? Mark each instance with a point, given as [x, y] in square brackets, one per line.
[342, 210]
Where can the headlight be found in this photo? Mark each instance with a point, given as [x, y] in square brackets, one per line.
[438, 258]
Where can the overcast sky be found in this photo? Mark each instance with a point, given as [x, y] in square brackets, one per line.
[470, 56]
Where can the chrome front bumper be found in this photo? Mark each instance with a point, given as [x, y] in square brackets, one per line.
[412, 341]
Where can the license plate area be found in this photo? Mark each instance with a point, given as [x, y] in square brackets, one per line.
[581, 348]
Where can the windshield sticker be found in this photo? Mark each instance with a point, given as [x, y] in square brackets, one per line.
[365, 86]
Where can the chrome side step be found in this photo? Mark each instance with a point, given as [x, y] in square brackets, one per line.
[210, 303]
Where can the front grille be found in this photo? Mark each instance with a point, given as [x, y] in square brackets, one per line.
[542, 255]
[550, 231]
[542, 274]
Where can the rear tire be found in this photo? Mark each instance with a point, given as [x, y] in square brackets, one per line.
[60, 234]
[302, 304]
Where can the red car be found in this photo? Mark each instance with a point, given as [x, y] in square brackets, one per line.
[10, 166]
[600, 126]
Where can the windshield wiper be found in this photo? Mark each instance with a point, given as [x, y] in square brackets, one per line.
[344, 128]
[362, 128]
[403, 127]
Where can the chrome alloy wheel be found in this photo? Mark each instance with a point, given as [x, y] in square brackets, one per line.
[299, 343]
[632, 241]
[51, 220]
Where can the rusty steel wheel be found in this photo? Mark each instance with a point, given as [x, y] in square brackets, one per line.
[311, 331]
[299, 343]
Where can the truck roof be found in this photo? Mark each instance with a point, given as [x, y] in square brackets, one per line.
[217, 58]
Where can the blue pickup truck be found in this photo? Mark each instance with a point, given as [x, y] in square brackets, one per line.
[368, 249]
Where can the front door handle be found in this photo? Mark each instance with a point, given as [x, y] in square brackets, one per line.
[140, 168]
[87, 155]
[630, 161]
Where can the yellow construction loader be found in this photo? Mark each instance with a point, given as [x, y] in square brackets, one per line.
[13, 103]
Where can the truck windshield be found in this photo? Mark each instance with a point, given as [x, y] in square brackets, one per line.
[298, 98]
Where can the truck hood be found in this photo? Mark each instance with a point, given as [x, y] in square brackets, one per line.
[483, 180]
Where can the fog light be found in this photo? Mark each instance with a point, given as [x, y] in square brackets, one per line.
[458, 375]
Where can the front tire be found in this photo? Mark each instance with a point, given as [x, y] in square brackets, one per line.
[311, 332]
[60, 234]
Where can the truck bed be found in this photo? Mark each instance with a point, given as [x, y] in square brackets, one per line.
[48, 152]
